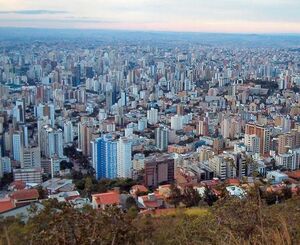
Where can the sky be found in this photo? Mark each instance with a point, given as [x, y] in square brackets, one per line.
[225, 16]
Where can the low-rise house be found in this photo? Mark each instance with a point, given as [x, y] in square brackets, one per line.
[24, 212]
[164, 190]
[17, 185]
[6, 204]
[236, 191]
[80, 202]
[151, 201]
[235, 182]
[57, 185]
[136, 189]
[276, 177]
[210, 183]
[295, 175]
[65, 196]
[104, 200]
[23, 197]
[201, 190]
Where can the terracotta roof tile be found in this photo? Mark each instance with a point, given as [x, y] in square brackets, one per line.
[18, 185]
[140, 188]
[6, 204]
[294, 174]
[25, 194]
[151, 204]
[108, 198]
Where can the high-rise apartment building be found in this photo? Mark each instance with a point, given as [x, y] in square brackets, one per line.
[161, 138]
[17, 145]
[104, 157]
[85, 131]
[31, 158]
[252, 143]
[203, 127]
[51, 142]
[176, 122]
[159, 170]
[262, 133]
[68, 132]
[288, 141]
[152, 116]
[124, 162]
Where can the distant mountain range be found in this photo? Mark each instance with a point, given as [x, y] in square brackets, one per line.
[211, 39]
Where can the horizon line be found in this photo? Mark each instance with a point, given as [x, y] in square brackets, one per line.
[156, 31]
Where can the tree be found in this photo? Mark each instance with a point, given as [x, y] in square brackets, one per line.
[130, 203]
[270, 197]
[83, 161]
[175, 196]
[133, 212]
[42, 192]
[191, 197]
[209, 196]
[230, 221]
[70, 151]
[88, 186]
[221, 189]
[6, 179]
[66, 165]
[287, 193]
[76, 175]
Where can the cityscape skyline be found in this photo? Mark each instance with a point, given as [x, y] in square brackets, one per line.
[149, 122]
[191, 16]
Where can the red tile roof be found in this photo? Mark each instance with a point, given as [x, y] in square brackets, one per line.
[70, 198]
[157, 196]
[6, 204]
[25, 194]
[18, 185]
[210, 183]
[233, 181]
[108, 198]
[294, 174]
[151, 204]
[140, 188]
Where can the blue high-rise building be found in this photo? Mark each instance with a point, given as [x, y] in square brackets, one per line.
[105, 157]
[76, 75]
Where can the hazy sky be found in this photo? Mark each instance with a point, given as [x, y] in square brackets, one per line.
[250, 16]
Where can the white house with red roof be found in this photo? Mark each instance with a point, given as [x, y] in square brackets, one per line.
[103, 200]
[151, 201]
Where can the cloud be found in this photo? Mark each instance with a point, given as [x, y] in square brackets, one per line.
[63, 20]
[34, 12]
[188, 15]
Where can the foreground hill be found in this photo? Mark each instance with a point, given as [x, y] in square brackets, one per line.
[229, 221]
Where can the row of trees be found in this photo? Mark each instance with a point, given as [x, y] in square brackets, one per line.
[88, 185]
[190, 197]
